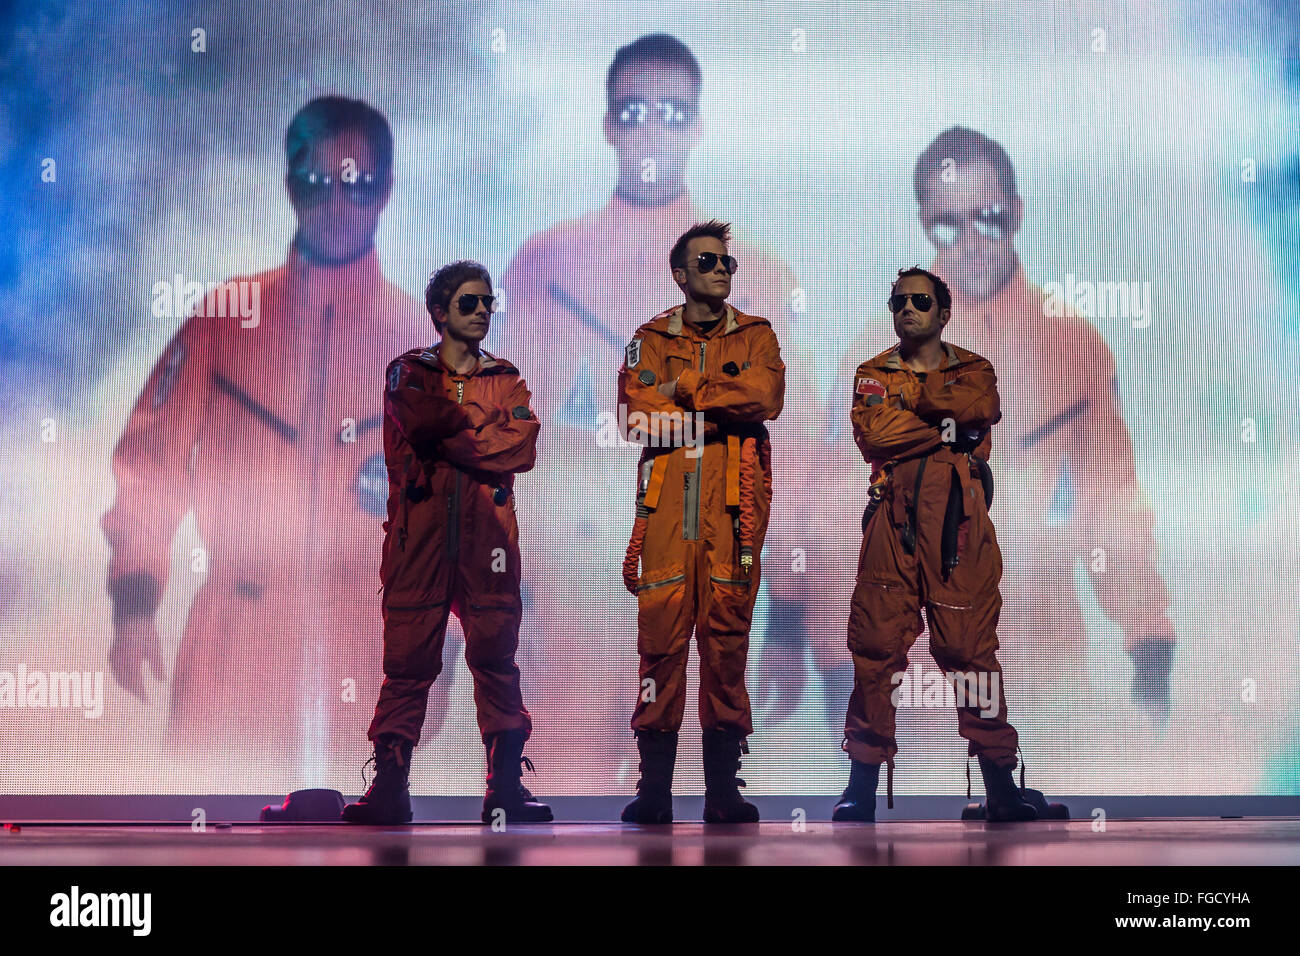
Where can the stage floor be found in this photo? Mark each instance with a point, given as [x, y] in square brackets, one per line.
[1147, 842]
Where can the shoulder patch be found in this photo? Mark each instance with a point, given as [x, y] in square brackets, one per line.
[633, 353]
[399, 376]
[870, 386]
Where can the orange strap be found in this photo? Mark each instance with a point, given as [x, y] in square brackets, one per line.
[733, 471]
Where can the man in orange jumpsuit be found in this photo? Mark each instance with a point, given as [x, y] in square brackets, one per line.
[585, 280]
[458, 427]
[266, 425]
[1067, 483]
[922, 417]
[707, 375]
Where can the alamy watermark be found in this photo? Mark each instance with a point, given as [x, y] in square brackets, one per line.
[676, 429]
[918, 687]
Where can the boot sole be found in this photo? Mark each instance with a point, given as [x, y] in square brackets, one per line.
[837, 817]
[390, 822]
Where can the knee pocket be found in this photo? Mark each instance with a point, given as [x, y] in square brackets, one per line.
[661, 602]
[884, 620]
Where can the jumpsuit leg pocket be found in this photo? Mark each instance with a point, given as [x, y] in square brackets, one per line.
[413, 639]
[661, 600]
[491, 626]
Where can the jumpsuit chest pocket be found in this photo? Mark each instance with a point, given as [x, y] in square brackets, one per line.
[677, 360]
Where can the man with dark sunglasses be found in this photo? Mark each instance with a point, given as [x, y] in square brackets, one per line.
[923, 413]
[458, 427]
[269, 431]
[585, 282]
[702, 515]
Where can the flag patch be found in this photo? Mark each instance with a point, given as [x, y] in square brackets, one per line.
[869, 386]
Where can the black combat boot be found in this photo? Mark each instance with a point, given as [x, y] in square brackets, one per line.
[1005, 802]
[506, 760]
[654, 791]
[388, 801]
[722, 800]
[858, 802]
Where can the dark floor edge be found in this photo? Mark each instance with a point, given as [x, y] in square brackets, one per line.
[177, 808]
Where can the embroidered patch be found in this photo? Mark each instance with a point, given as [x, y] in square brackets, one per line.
[521, 411]
[633, 354]
[869, 386]
[395, 377]
[647, 377]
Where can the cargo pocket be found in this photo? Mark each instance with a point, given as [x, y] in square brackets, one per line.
[661, 598]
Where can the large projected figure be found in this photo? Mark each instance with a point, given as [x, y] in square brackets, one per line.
[1067, 484]
[575, 293]
[265, 422]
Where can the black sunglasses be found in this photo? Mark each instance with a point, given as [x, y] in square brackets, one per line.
[921, 300]
[310, 188]
[708, 261]
[468, 303]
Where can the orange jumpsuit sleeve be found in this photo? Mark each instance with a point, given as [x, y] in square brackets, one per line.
[883, 432]
[644, 398]
[423, 417]
[757, 394]
[970, 400]
[151, 465]
[505, 442]
[1111, 512]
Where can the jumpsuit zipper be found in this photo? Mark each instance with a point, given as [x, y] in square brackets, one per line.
[675, 579]
[453, 503]
[691, 519]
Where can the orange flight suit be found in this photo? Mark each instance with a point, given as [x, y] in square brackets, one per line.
[692, 577]
[271, 434]
[453, 444]
[574, 293]
[904, 564]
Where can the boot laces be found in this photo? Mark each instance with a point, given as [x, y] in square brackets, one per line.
[526, 764]
[366, 784]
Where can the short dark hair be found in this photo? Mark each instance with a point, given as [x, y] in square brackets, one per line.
[328, 116]
[963, 146]
[942, 294]
[444, 283]
[660, 47]
[718, 230]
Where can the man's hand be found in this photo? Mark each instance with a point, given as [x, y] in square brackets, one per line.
[135, 643]
[668, 389]
[1152, 659]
